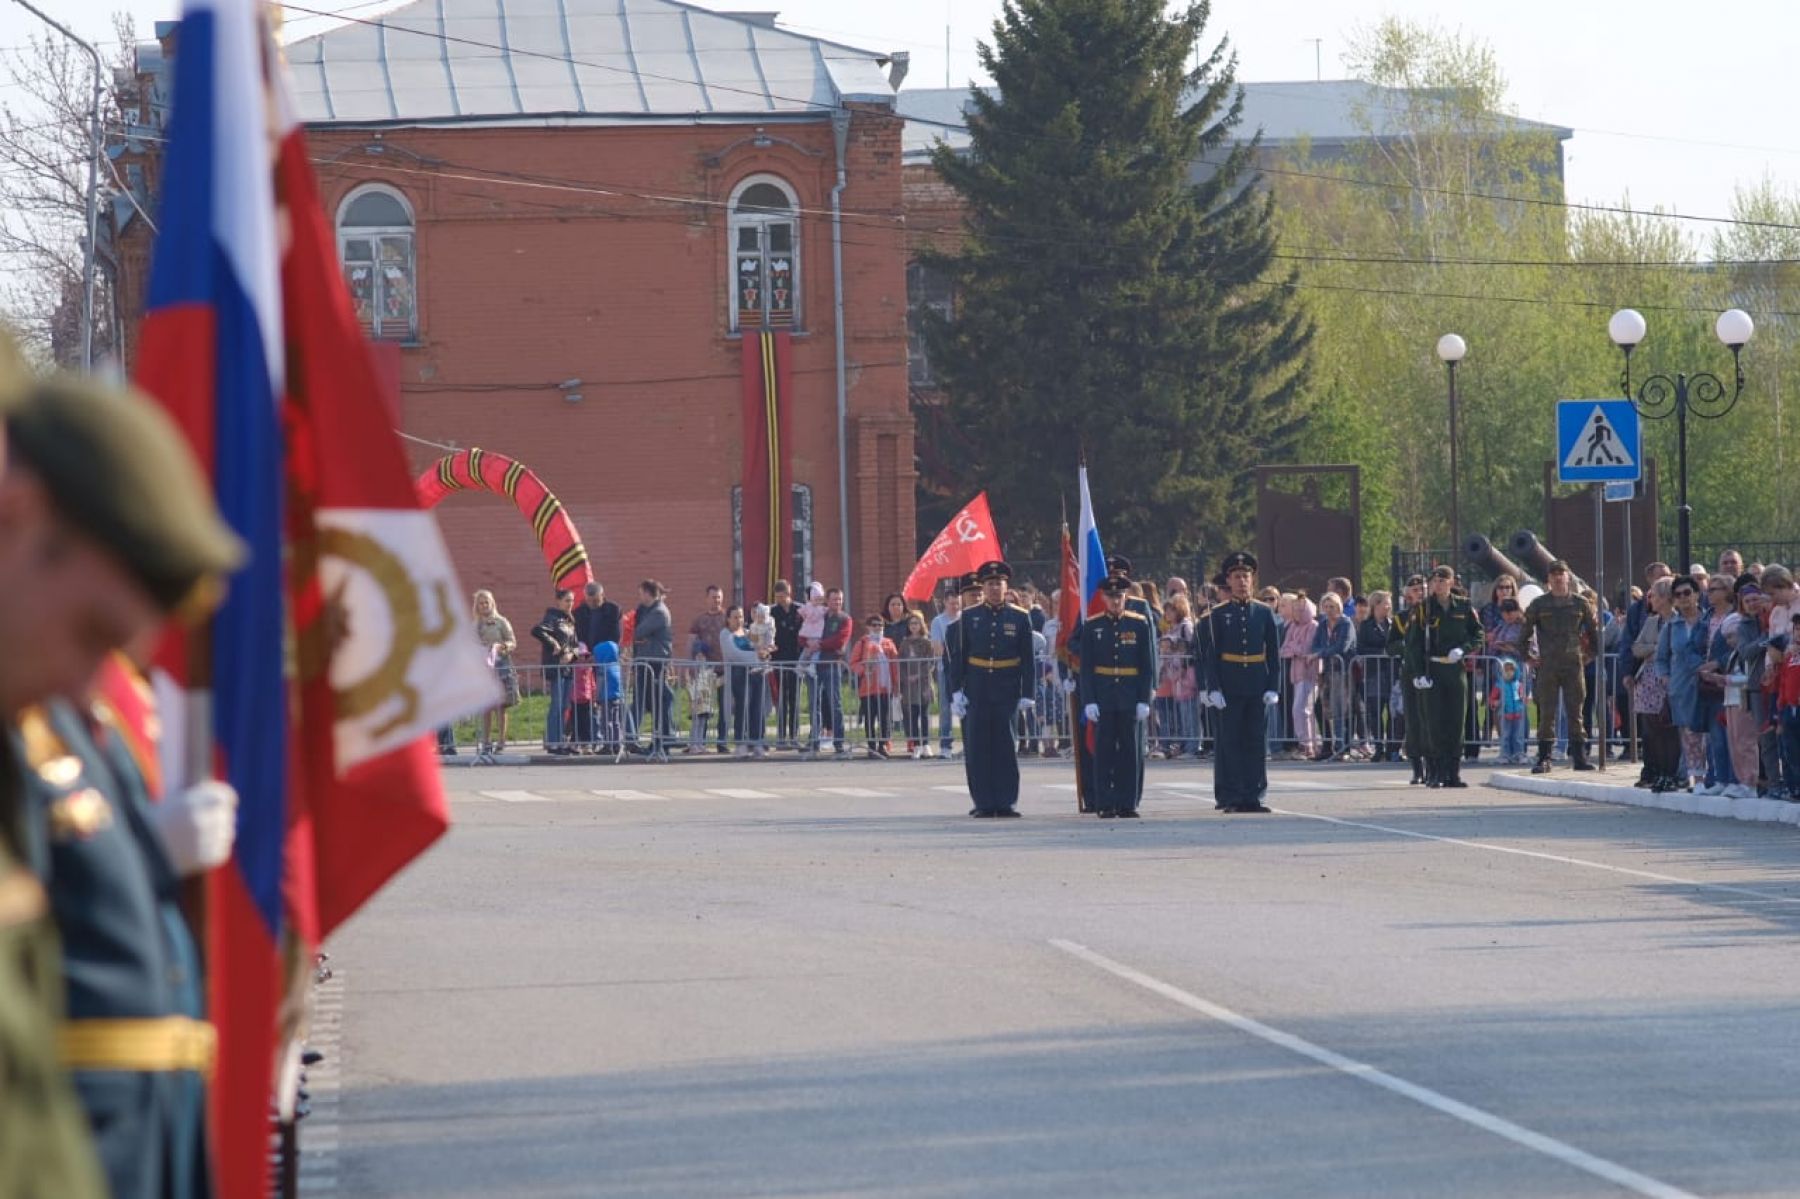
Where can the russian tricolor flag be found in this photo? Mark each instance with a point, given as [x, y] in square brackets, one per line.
[1092, 558]
[345, 640]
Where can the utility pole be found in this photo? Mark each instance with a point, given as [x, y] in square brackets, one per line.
[1318, 58]
[95, 149]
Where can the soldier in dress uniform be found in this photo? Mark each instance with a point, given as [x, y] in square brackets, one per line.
[103, 496]
[968, 587]
[1119, 564]
[1412, 601]
[993, 675]
[1117, 678]
[1444, 631]
[1240, 675]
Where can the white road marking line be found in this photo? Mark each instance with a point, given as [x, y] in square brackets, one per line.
[1547, 857]
[741, 793]
[514, 796]
[632, 796]
[954, 789]
[1599, 1167]
[857, 792]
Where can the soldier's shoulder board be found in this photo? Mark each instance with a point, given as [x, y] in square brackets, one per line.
[1130, 615]
[1026, 612]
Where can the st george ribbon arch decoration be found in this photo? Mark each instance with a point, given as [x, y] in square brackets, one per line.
[483, 470]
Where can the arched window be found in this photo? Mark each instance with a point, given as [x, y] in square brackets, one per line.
[375, 246]
[765, 254]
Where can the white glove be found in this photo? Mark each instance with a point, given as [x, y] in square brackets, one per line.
[1143, 712]
[1216, 699]
[197, 826]
[1456, 655]
[1068, 686]
[959, 705]
[1271, 698]
[1026, 705]
[1092, 712]
[1422, 683]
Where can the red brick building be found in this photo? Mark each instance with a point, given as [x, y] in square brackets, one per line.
[546, 212]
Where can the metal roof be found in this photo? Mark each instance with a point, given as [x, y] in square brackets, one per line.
[1332, 111]
[598, 61]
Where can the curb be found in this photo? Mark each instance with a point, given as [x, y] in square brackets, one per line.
[1763, 811]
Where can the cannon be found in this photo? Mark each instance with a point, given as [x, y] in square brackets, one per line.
[1482, 553]
[1527, 550]
[1537, 556]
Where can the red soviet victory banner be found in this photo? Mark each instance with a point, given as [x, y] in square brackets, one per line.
[966, 542]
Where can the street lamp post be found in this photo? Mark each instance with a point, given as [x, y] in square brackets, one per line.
[1451, 348]
[1702, 394]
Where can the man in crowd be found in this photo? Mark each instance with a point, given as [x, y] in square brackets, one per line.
[1445, 631]
[786, 616]
[703, 646]
[1240, 672]
[596, 622]
[828, 714]
[941, 625]
[1731, 562]
[993, 674]
[1567, 632]
[969, 593]
[652, 645]
[1117, 681]
[107, 529]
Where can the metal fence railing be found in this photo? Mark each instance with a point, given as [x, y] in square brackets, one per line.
[1333, 708]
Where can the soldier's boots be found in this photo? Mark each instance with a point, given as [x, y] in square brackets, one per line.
[1456, 778]
[1578, 758]
[1418, 770]
[1542, 765]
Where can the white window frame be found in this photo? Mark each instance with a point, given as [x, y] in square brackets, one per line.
[761, 221]
[377, 328]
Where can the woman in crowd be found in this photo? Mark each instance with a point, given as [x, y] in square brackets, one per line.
[1333, 645]
[1378, 674]
[742, 655]
[1303, 672]
[1680, 650]
[1658, 738]
[872, 664]
[556, 634]
[1180, 706]
[918, 677]
[894, 617]
[496, 634]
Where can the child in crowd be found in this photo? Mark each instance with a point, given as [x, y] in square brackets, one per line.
[1787, 708]
[1740, 721]
[762, 630]
[872, 663]
[1508, 702]
[1170, 669]
[812, 626]
[703, 701]
[918, 679]
[609, 694]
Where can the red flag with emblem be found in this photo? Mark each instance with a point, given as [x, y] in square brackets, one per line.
[966, 542]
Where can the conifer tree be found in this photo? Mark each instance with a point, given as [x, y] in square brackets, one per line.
[1115, 290]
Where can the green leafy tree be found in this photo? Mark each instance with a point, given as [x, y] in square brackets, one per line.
[1114, 282]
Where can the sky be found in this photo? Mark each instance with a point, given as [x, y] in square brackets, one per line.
[1670, 106]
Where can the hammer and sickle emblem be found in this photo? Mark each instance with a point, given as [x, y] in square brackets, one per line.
[968, 530]
[387, 680]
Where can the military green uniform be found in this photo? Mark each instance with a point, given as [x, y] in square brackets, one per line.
[1436, 630]
[44, 1144]
[1561, 623]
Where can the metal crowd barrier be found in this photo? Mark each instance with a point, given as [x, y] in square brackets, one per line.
[1345, 709]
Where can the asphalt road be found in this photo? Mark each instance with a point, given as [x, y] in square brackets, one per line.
[800, 980]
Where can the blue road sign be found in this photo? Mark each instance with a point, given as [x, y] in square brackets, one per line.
[1618, 492]
[1598, 441]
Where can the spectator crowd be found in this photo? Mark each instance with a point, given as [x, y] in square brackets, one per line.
[1696, 676]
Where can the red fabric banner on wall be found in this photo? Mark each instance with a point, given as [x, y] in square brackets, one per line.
[768, 519]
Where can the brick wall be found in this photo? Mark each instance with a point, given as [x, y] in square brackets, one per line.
[602, 256]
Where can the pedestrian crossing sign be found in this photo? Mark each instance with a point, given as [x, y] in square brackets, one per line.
[1598, 441]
